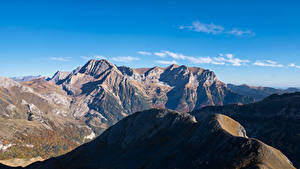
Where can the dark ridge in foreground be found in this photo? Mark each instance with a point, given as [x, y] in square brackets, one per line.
[167, 139]
[274, 120]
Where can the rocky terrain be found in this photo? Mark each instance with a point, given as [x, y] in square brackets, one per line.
[274, 120]
[44, 118]
[168, 139]
[259, 93]
[106, 93]
[36, 121]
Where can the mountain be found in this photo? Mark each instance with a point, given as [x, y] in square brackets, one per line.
[36, 121]
[27, 78]
[106, 93]
[259, 93]
[62, 75]
[41, 118]
[274, 120]
[167, 139]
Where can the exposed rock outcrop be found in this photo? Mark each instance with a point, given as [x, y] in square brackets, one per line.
[104, 94]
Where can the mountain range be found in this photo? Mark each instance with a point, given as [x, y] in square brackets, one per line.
[259, 93]
[48, 117]
[159, 138]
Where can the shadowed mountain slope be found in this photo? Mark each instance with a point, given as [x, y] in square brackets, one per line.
[274, 120]
[167, 139]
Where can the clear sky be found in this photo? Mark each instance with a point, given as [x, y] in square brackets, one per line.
[243, 41]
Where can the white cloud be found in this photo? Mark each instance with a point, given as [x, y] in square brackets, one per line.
[93, 57]
[233, 61]
[267, 63]
[144, 53]
[199, 60]
[204, 27]
[63, 59]
[99, 57]
[160, 54]
[238, 32]
[125, 59]
[174, 55]
[216, 29]
[221, 60]
[294, 65]
[166, 62]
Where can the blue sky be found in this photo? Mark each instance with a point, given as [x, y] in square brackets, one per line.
[243, 41]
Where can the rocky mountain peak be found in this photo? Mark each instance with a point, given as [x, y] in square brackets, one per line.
[96, 67]
[7, 82]
[59, 76]
[126, 70]
[172, 66]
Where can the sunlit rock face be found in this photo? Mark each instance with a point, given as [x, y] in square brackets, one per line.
[104, 94]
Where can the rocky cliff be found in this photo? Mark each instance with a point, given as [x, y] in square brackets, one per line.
[105, 93]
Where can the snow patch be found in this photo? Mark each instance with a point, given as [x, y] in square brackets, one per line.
[91, 136]
[24, 102]
[29, 145]
[26, 89]
[5, 147]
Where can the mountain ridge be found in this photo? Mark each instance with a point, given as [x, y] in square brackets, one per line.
[274, 120]
[171, 140]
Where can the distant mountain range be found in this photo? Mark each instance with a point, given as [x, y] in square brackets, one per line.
[46, 117]
[27, 78]
[259, 93]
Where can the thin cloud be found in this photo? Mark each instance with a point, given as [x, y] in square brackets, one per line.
[174, 55]
[214, 29]
[232, 60]
[166, 62]
[125, 59]
[204, 27]
[99, 57]
[160, 54]
[267, 63]
[93, 57]
[144, 53]
[62, 59]
[294, 65]
[204, 60]
[221, 60]
[239, 32]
